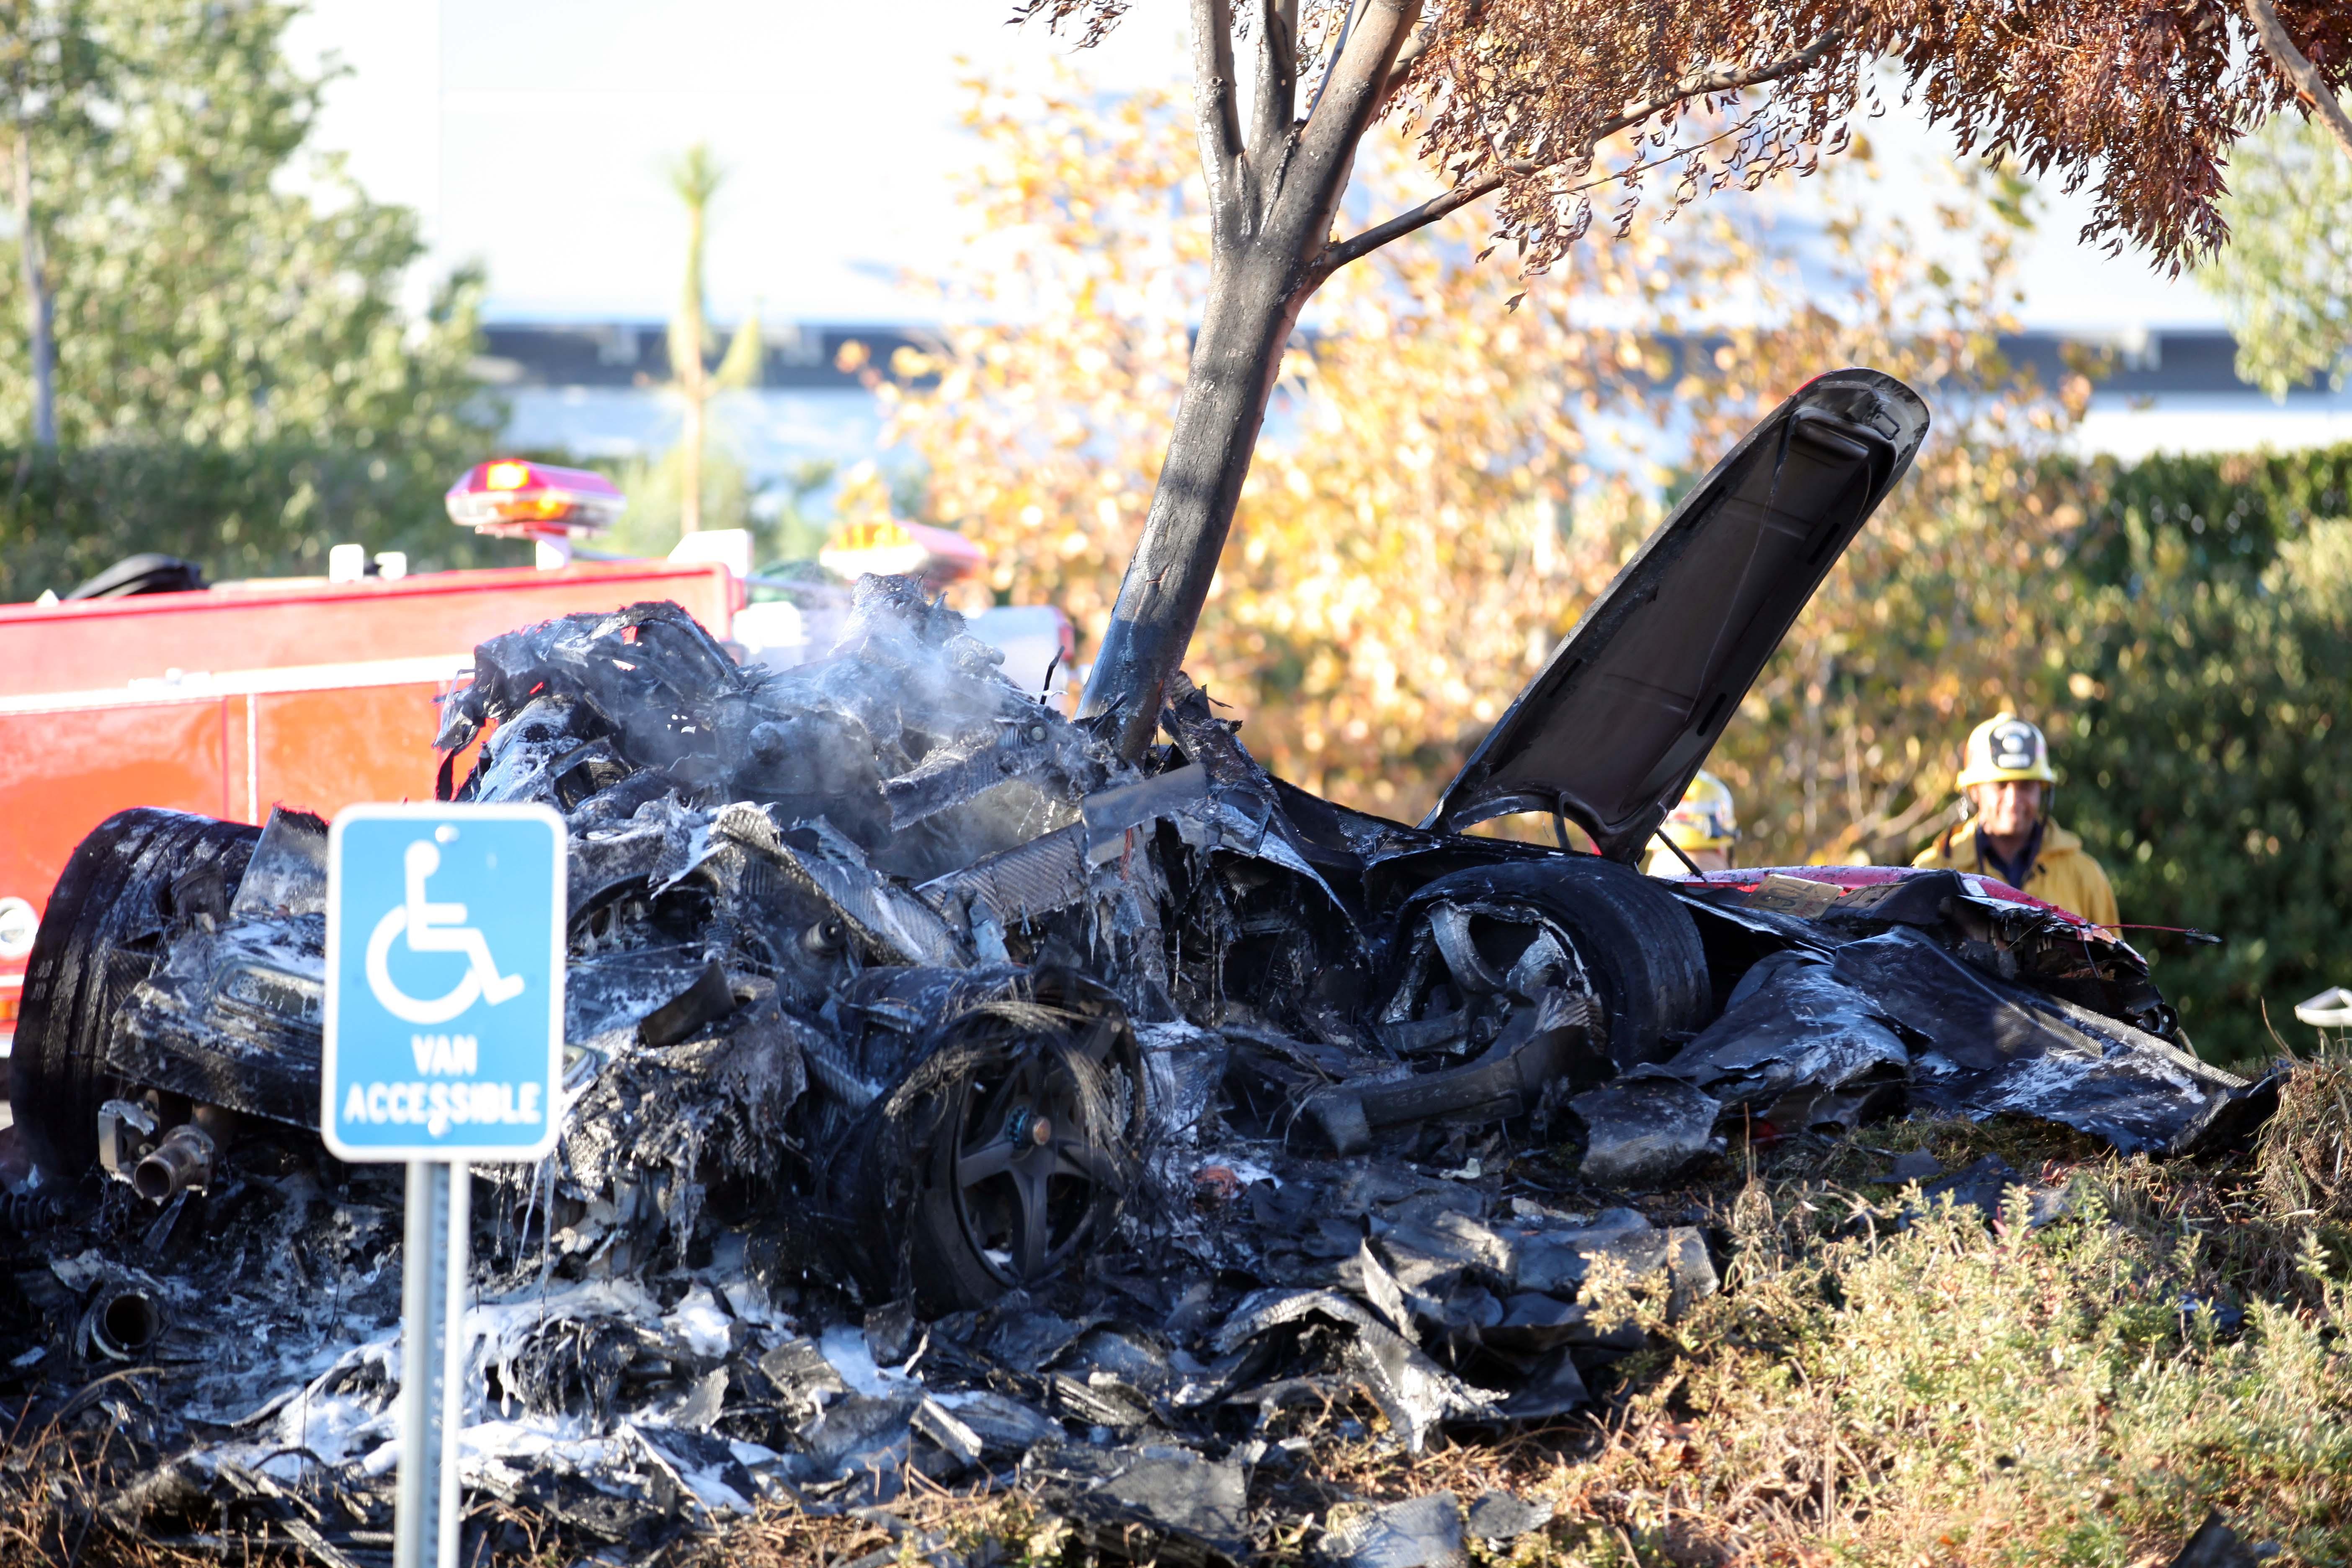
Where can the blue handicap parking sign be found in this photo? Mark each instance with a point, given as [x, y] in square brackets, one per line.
[444, 983]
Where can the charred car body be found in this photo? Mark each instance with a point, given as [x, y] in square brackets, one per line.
[889, 956]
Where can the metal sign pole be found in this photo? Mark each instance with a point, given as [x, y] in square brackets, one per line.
[432, 1351]
[442, 1046]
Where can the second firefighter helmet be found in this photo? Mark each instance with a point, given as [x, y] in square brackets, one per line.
[1704, 818]
[2005, 747]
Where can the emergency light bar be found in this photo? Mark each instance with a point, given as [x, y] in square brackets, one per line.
[512, 498]
[937, 555]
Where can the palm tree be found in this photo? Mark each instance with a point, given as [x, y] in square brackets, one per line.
[696, 178]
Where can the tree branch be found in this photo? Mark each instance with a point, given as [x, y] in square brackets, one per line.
[1276, 99]
[1358, 247]
[1272, 106]
[2310, 86]
[1217, 116]
[1705, 85]
[1323, 77]
[1345, 105]
[1416, 47]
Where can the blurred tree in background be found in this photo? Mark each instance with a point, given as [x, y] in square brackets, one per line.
[2198, 721]
[1413, 532]
[676, 500]
[1942, 609]
[222, 305]
[1440, 493]
[658, 489]
[2285, 276]
[790, 521]
[263, 511]
[698, 483]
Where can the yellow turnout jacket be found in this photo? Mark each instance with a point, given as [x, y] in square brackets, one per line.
[2064, 874]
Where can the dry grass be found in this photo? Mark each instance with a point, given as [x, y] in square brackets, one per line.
[1881, 1383]
[2305, 1164]
[51, 1474]
[1950, 1393]
[1005, 1526]
[1885, 1384]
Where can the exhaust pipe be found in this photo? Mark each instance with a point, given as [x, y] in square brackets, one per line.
[123, 1322]
[182, 1161]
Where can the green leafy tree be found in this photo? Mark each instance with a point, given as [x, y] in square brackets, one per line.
[2286, 278]
[791, 520]
[695, 179]
[207, 281]
[787, 516]
[249, 511]
[213, 356]
[2196, 705]
[49, 63]
[662, 490]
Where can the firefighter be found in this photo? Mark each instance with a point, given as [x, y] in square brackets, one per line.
[1702, 826]
[2005, 773]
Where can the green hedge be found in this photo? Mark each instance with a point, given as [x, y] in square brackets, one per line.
[2225, 511]
[249, 512]
[2210, 763]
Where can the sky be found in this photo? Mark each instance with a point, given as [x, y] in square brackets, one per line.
[533, 137]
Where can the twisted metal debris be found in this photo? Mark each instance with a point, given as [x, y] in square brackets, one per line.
[943, 1095]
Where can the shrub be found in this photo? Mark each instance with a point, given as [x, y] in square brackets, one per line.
[254, 511]
[2195, 709]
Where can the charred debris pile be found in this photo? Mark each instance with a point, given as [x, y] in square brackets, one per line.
[946, 1095]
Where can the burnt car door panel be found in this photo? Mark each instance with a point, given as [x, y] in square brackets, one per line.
[1616, 724]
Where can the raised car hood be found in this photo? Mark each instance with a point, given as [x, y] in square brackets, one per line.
[1627, 707]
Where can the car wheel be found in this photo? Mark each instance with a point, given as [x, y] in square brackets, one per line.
[102, 932]
[1628, 940]
[1006, 1156]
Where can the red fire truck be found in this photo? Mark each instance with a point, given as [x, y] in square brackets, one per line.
[312, 692]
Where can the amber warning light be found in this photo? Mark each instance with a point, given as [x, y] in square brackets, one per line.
[518, 500]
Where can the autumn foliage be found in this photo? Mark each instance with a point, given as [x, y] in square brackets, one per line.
[1402, 562]
[2138, 100]
[1450, 478]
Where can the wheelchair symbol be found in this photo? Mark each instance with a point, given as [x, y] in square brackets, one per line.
[434, 928]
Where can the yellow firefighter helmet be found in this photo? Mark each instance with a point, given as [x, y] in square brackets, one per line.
[1703, 820]
[2005, 747]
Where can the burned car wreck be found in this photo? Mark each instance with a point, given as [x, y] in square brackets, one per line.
[907, 1023]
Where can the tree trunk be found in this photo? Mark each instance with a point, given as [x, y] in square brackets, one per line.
[39, 309]
[689, 501]
[2311, 87]
[1254, 303]
[685, 335]
[1272, 199]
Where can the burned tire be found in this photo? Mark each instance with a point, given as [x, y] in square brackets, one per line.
[1006, 1156]
[1638, 947]
[99, 936]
